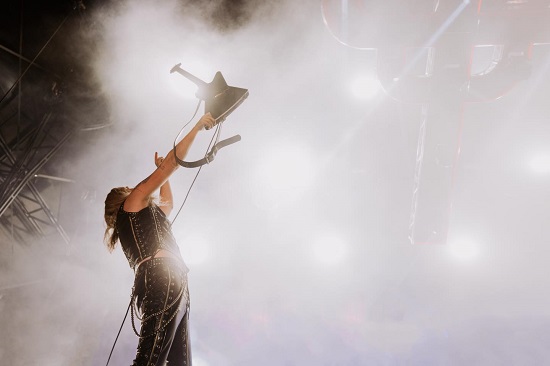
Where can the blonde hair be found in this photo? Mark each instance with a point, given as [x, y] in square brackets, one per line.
[113, 201]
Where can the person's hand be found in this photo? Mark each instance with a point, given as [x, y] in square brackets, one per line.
[158, 159]
[206, 121]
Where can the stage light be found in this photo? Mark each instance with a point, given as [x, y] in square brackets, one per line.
[540, 164]
[365, 87]
[464, 249]
[329, 249]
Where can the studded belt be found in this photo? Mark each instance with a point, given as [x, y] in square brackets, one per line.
[151, 260]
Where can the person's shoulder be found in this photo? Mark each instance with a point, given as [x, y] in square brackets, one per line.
[121, 210]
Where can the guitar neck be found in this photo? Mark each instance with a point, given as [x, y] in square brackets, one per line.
[193, 78]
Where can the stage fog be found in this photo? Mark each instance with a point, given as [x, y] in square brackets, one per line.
[386, 205]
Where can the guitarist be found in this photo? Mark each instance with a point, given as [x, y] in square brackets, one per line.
[160, 296]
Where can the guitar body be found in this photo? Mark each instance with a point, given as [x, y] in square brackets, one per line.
[220, 99]
[225, 99]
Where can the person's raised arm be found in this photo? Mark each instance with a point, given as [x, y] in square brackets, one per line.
[141, 194]
[166, 199]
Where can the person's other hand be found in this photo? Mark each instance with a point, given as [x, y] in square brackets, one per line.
[158, 159]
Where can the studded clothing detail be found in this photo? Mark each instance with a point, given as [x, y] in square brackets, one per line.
[142, 234]
[160, 296]
[172, 292]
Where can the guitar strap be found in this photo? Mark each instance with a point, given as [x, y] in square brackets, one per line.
[210, 155]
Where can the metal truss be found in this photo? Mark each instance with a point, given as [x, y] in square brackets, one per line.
[26, 145]
[33, 128]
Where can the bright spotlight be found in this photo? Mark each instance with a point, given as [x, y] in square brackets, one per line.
[365, 87]
[464, 250]
[540, 164]
[330, 249]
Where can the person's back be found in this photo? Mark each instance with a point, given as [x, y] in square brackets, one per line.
[144, 233]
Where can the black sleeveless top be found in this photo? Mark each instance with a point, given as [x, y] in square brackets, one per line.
[142, 234]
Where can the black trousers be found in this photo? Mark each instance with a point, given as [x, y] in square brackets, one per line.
[161, 296]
